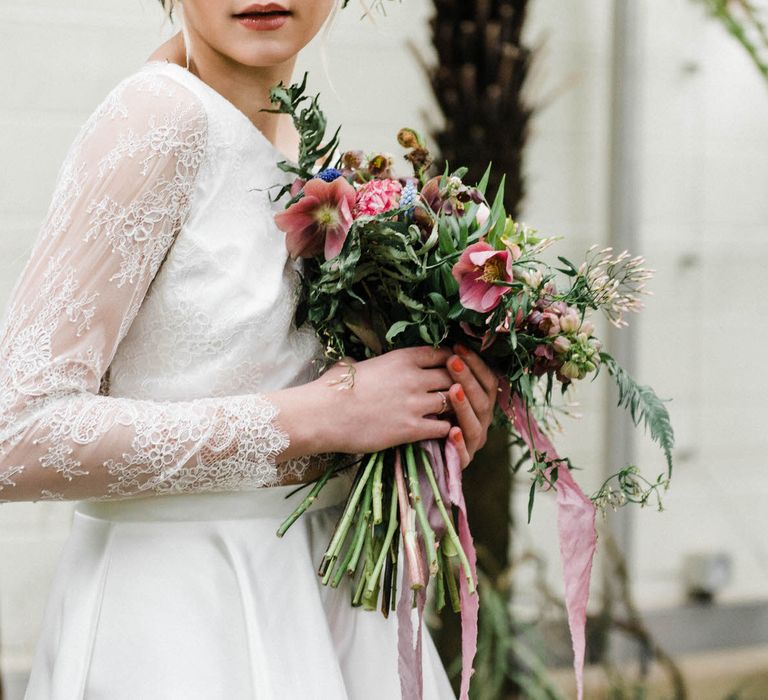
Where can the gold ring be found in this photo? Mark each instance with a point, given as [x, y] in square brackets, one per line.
[444, 407]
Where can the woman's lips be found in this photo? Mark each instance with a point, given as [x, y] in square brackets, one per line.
[263, 21]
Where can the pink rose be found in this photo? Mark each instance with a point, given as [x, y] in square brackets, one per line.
[377, 196]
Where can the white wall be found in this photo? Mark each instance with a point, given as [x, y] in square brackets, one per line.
[703, 224]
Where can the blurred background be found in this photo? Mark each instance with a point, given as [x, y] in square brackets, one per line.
[641, 125]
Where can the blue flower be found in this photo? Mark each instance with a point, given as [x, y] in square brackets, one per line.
[329, 174]
[409, 195]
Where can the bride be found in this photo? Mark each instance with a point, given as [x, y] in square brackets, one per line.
[150, 370]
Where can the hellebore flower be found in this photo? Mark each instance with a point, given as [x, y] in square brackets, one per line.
[376, 197]
[483, 212]
[479, 266]
[320, 220]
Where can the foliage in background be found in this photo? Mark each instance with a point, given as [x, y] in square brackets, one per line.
[747, 22]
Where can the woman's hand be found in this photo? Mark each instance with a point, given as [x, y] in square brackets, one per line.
[473, 397]
[393, 400]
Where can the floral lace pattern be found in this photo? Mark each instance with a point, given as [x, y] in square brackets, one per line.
[123, 194]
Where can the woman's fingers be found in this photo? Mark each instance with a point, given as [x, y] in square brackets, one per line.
[432, 429]
[436, 379]
[456, 437]
[426, 356]
[476, 393]
[482, 371]
[471, 427]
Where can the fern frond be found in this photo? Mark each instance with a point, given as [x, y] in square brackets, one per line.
[643, 405]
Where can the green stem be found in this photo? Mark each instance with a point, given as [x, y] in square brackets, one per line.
[378, 488]
[306, 503]
[367, 552]
[449, 529]
[356, 546]
[346, 518]
[421, 513]
[391, 525]
[453, 591]
[395, 556]
[439, 582]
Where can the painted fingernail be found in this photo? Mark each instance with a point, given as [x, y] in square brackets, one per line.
[461, 350]
[460, 393]
[457, 365]
[457, 437]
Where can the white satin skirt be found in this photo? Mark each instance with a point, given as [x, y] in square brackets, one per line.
[194, 597]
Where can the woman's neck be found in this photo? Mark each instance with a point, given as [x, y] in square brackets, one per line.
[245, 87]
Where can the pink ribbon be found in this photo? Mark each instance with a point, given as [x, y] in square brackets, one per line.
[575, 524]
[470, 602]
[446, 466]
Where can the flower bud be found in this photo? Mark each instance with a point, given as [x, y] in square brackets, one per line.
[483, 212]
[570, 370]
[570, 321]
[408, 138]
[352, 159]
[562, 344]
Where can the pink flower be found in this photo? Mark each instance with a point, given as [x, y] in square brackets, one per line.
[377, 196]
[479, 266]
[483, 212]
[320, 220]
[297, 186]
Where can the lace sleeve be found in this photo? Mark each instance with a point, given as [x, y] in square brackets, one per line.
[121, 197]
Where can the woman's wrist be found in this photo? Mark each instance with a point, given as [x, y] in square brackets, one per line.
[302, 414]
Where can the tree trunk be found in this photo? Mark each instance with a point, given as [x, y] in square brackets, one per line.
[478, 83]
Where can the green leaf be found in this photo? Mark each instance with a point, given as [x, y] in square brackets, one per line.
[643, 405]
[531, 496]
[397, 328]
[483, 184]
[497, 217]
[456, 311]
[439, 302]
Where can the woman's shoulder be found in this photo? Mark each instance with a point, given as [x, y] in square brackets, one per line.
[149, 100]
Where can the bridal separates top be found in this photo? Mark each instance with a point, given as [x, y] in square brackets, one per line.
[139, 346]
[160, 269]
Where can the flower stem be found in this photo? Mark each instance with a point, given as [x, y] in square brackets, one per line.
[439, 582]
[450, 531]
[306, 503]
[408, 527]
[427, 531]
[378, 488]
[367, 554]
[450, 584]
[391, 525]
[395, 556]
[346, 519]
[349, 564]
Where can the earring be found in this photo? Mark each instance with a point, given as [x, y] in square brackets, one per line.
[185, 34]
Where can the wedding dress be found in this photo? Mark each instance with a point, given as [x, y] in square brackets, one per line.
[153, 315]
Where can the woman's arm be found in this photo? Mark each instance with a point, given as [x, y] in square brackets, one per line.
[122, 194]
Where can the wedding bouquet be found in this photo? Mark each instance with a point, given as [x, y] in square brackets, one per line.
[394, 262]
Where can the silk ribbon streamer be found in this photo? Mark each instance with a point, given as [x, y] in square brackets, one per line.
[446, 466]
[575, 524]
[470, 602]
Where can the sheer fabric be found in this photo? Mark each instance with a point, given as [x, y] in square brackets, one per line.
[153, 319]
[123, 195]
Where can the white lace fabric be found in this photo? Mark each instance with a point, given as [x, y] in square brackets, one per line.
[123, 194]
